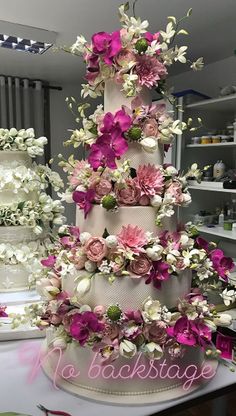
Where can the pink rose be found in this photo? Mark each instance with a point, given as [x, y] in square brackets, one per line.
[150, 128]
[78, 258]
[156, 332]
[141, 265]
[102, 188]
[175, 190]
[111, 331]
[95, 249]
[124, 57]
[99, 311]
[129, 194]
[144, 200]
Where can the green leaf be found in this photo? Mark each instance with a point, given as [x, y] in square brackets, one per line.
[126, 8]
[21, 206]
[105, 234]
[189, 12]
[133, 173]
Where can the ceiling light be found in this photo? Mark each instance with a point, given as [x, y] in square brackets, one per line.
[22, 38]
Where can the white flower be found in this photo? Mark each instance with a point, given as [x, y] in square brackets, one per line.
[66, 196]
[149, 144]
[151, 310]
[60, 342]
[105, 267]
[129, 85]
[197, 65]
[168, 34]
[228, 296]
[154, 253]
[156, 201]
[127, 349]
[79, 45]
[111, 241]
[83, 286]
[223, 319]
[153, 351]
[171, 171]
[180, 54]
[186, 198]
[84, 237]
[153, 48]
[90, 266]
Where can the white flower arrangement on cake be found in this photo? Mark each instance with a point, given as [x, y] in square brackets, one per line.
[35, 214]
[22, 140]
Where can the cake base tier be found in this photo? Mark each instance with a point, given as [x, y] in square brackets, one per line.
[129, 292]
[93, 382]
[144, 217]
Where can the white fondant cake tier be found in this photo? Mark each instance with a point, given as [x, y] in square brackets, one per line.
[13, 278]
[121, 377]
[9, 197]
[8, 157]
[17, 234]
[114, 98]
[129, 292]
[144, 217]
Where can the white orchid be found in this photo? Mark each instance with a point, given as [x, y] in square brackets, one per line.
[153, 351]
[80, 45]
[168, 34]
[197, 65]
[127, 349]
[228, 296]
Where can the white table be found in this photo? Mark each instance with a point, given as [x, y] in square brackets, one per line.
[19, 394]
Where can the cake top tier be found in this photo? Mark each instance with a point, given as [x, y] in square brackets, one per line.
[14, 140]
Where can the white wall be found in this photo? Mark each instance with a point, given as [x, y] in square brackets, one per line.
[209, 80]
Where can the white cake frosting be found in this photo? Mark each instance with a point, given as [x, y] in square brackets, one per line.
[144, 217]
[113, 101]
[13, 278]
[128, 291]
[96, 379]
[17, 234]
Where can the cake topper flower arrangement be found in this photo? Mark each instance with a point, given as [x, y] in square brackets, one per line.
[132, 56]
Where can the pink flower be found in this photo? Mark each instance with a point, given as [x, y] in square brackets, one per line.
[222, 265]
[119, 120]
[175, 191]
[80, 166]
[135, 316]
[107, 148]
[158, 273]
[95, 249]
[151, 37]
[149, 70]
[78, 258]
[49, 261]
[132, 237]
[74, 231]
[3, 313]
[150, 180]
[156, 332]
[129, 194]
[84, 200]
[141, 265]
[101, 188]
[83, 325]
[99, 311]
[150, 127]
[124, 57]
[111, 331]
[190, 332]
[108, 350]
[144, 200]
[107, 45]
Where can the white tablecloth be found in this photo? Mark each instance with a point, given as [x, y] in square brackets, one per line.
[20, 393]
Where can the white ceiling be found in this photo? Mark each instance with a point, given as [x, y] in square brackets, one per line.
[212, 30]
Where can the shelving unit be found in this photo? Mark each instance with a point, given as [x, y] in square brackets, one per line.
[218, 232]
[215, 114]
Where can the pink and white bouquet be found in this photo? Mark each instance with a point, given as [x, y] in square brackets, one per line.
[159, 186]
[106, 136]
[132, 56]
[133, 253]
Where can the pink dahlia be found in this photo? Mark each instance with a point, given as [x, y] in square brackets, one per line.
[132, 237]
[149, 70]
[150, 180]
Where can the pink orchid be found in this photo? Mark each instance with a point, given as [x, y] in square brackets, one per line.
[108, 350]
[106, 45]
[133, 238]
[67, 241]
[107, 148]
[120, 120]
[223, 265]
[83, 325]
[158, 273]
[150, 180]
[84, 200]
[202, 243]
[135, 316]
[3, 313]
[151, 37]
[74, 231]
[189, 332]
[49, 261]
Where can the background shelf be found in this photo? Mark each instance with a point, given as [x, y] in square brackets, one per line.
[227, 103]
[217, 231]
[212, 189]
[230, 144]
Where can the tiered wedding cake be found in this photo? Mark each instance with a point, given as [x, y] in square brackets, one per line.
[118, 285]
[26, 210]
